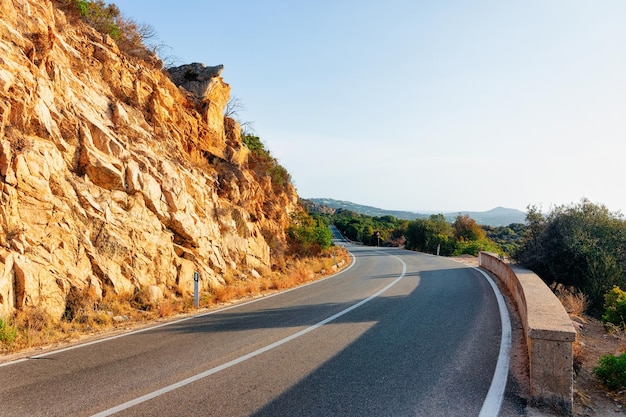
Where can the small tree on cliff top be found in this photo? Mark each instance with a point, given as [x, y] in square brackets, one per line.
[106, 18]
[262, 162]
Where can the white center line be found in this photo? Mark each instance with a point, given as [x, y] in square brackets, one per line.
[250, 355]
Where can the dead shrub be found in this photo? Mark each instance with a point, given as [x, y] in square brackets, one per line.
[77, 303]
[34, 327]
[254, 286]
[578, 352]
[267, 284]
[32, 319]
[574, 301]
[116, 303]
[94, 320]
[301, 275]
[141, 300]
[225, 293]
[166, 308]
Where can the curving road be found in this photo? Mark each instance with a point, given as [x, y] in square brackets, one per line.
[398, 334]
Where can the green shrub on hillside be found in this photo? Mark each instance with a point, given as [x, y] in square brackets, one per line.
[472, 247]
[8, 333]
[262, 162]
[307, 235]
[101, 16]
[253, 143]
[108, 19]
[431, 235]
[581, 246]
[507, 238]
[470, 238]
[615, 307]
[611, 370]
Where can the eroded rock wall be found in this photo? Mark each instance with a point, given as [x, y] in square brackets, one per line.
[112, 178]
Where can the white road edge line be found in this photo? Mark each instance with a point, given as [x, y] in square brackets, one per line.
[495, 395]
[250, 355]
[145, 329]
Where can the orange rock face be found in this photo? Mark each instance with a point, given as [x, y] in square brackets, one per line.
[112, 178]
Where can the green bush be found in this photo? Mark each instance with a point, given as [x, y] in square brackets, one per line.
[307, 235]
[8, 333]
[103, 17]
[253, 143]
[615, 307]
[262, 162]
[108, 19]
[472, 247]
[431, 235]
[611, 370]
[579, 246]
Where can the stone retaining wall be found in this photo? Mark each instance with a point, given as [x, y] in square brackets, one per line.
[549, 333]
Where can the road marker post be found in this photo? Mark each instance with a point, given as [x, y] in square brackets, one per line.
[196, 292]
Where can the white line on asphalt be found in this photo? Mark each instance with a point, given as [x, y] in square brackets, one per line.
[495, 395]
[250, 355]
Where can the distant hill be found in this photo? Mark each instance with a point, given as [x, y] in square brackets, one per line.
[499, 216]
[320, 203]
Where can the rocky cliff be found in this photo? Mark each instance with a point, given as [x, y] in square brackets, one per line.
[113, 178]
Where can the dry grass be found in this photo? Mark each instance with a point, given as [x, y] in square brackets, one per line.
[31, 327]
[297, 272]
[575, 304]
[574, 301]
[173, 306]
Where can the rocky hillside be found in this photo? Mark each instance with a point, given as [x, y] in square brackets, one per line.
[113, 178]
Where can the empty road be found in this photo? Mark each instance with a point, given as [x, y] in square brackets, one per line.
[397, 334]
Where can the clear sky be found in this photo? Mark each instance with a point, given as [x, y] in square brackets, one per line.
[422, 105]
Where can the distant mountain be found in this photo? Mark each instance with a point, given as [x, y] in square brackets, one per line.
[499, 216]
[319, 203]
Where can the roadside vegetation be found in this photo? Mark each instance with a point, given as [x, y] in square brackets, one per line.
[430, 235]
[263, 163]
[373, 231]
[308, 235]
[579, 250]
[84, 316]
[582, 246]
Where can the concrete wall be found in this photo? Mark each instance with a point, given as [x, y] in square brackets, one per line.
[549, 333]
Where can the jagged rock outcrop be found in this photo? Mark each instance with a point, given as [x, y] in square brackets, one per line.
[196, 78]
[112, 177]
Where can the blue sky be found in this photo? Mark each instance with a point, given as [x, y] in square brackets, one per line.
[422, 105]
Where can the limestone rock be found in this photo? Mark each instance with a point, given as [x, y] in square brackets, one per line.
[196, 78]
[154, 294]
[112, 178]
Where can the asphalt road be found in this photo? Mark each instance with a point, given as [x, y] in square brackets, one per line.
[397, 334]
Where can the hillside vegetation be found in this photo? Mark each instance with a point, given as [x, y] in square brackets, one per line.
[582, 246]
[495, 217]
[433, 234]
